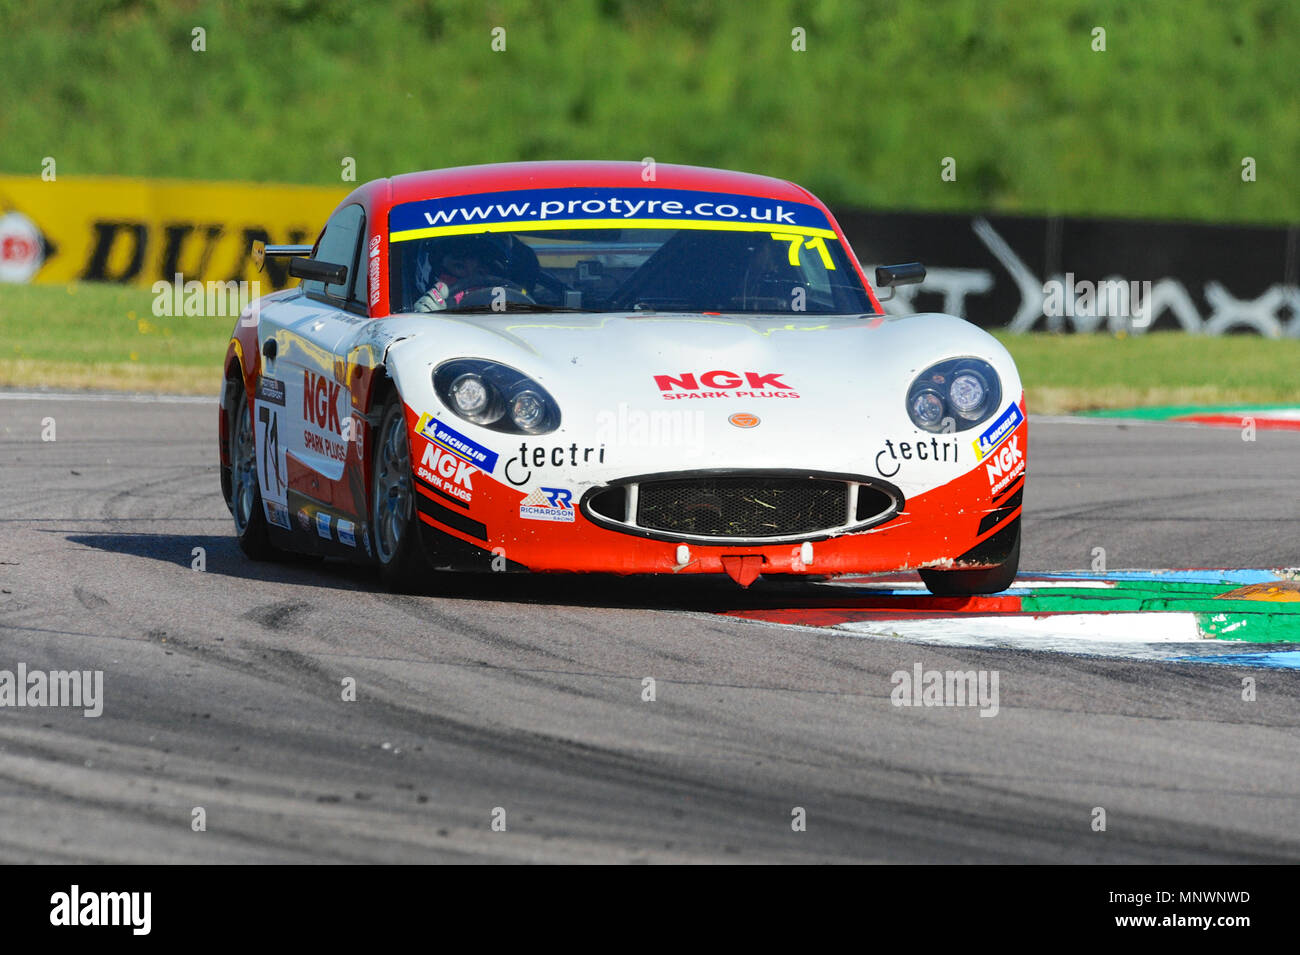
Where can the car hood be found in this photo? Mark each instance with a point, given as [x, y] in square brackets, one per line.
[664, 389]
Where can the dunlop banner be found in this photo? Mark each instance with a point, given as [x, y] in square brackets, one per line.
[140, 231]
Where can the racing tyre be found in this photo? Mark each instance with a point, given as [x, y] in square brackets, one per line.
[965, 583]
[245, 494]
[392, 501]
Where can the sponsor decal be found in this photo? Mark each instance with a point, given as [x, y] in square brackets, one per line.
[358, 435]
[304, 519]
[323, 525]
[518, 470]
[588, 207]
[365, 540]
[724, 384]
[997, 432]
[548, 504]
[1005, 465]
[374, 270]
[320, 402]
[447, 472]
[451, 440]
[269, 389]
[347, 532]
[743, 419]
[278, 514]
[22, 248]
[320, 409]
[890, 458]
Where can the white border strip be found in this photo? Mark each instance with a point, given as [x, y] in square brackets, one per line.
[138, 397]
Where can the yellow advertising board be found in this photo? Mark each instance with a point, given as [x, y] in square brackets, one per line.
[140, 231]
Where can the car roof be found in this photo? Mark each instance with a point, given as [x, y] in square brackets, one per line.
[504, 177]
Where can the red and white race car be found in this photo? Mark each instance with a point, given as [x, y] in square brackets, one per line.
[566, 367]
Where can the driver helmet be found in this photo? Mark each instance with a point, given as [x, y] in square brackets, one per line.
[493, 259]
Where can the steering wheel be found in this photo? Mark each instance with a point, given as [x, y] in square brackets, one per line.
[481, 289]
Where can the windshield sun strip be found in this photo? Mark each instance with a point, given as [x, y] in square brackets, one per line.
[407, 235]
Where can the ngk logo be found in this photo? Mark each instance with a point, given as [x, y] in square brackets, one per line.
[447, 472]
[688, 381]
[1005, 465]
[320, 402]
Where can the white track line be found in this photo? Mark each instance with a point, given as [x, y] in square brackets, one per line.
[1141, 636]
[107, 396]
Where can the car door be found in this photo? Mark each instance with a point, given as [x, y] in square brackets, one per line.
[303, 416]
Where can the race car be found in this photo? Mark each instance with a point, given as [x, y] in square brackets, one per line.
[582, 367]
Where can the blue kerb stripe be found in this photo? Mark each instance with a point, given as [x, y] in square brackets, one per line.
[1280, 660]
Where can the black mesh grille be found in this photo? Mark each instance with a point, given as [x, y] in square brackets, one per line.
[742, 506]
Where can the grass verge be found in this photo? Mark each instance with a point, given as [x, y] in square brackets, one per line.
[106, 337]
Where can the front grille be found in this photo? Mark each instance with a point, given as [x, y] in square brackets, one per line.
[742, 506]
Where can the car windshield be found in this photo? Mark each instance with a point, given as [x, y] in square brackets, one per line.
[602, 250]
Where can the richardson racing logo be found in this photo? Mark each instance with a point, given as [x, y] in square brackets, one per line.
[450, 460]
[548, 504]
[724, 384]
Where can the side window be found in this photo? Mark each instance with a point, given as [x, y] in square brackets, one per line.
[339, 245]
[359, 281]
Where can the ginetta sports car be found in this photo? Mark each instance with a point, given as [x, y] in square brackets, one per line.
[589, 366]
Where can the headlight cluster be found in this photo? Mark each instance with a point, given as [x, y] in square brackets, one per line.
[495, 396]
[954, 395]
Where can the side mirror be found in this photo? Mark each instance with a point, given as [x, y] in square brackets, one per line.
[314, 270]
[909, 273]
[261, 250]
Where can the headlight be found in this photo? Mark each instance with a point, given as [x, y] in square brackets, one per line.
[471, 399]
[495, 396]
[954, 395]
[528, 411]
[927, 408]
[968, 394]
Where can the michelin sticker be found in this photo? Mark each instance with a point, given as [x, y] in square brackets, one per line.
[449, 439]
[997, 432]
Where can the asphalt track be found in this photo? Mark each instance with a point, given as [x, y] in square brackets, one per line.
[223, 688]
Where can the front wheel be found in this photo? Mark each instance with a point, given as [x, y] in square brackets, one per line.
[392, 501]
[966, 583]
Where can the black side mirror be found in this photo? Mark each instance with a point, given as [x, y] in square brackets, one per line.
[909, 273]
[314, 270]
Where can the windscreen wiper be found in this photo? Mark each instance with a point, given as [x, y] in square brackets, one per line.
[514, 307]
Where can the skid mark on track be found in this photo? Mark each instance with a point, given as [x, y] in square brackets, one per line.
[278, 616]
[88, 599]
